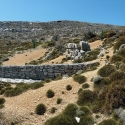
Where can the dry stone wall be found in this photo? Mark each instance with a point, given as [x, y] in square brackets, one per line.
[42, 72]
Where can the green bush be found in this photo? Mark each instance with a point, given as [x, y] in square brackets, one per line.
[1, 106]
[40, 109]
[5, 89]
[85, 85]
[116, 58]
[23, 86]
[6, 84]
[102, 83]
[117, 76]
[80, 90]
[59, 100]
[13, 92]
[37, 85]
[67, 116]
[108, 122]
[53, 109]
[122, 52]
[2, 101]
[50, 93]
[86, 97]
[58, 78]
[114, 96]
[48, 80]
[78, 61]
[92, 55]
[70, 110]
[68, 87]
[86, 110]
[106, 70]
[79, 78]
[122, 68]
[119, 42]
[123, 60]
[61, 120]
[88, 120]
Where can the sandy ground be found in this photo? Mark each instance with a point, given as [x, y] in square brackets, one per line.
[21, 108]
[95, 44]
[26, 57]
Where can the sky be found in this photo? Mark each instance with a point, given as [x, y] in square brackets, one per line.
[93, 11]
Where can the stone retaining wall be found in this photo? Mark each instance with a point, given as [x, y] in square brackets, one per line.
[42, 72]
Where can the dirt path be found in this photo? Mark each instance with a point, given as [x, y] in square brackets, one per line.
[26, 57]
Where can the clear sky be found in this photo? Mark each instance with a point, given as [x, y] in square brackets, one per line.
[94, 11]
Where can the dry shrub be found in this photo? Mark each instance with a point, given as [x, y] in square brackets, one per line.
[106, 70]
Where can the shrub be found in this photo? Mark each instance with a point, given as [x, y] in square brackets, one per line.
[1, 106]
[37, 85]
[117, 76]
[101, 84]
[85, 85]
[115, 96]
[6, 84]
[122, 52]
[86, 97]
[59, 100]
[50, 93]
[67, 116]
[123, 60]
[5, 89]
[48, 80]
[119, 42]
[70, 110]
[13, 92]
[88, 120]
[2, 101]
[68, 87]
[79, 91]
[61, 120]
[86, 110]
[106, 70]
[58, 78]
[63, 92]
[108, 122]
[53, 109]
[23, 86]
[40, 109]
[79, 78]
[92, 55]
[97, 105]
[122, 68]
[78, 61]
[110, 34]
[116, 58]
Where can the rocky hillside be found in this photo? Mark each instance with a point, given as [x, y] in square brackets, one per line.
[26, 31]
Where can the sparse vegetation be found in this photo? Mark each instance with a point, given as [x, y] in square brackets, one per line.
[59, 100]
[53, 109]
[40, 109]
[85, 85]
[86, 97]
[50, 93]
[119, 42]
[79, 78]
[108, 122]
[68, 87]
[106, 70]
